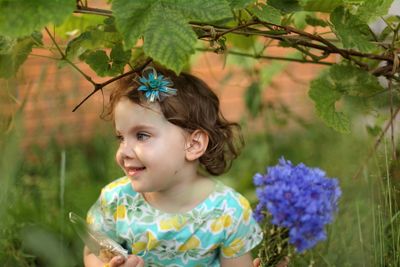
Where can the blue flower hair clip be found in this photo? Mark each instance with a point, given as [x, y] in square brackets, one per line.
[155, 86]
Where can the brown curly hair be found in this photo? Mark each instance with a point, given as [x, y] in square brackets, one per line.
[194, 107]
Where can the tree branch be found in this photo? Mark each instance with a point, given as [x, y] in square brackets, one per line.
[100, 86]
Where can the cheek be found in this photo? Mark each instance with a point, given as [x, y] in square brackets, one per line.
[118, 157]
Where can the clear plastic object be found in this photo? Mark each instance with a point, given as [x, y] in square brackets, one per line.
[98, 243]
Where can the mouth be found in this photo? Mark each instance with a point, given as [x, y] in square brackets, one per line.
[133, 171]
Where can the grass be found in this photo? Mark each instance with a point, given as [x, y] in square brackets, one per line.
[39, 189]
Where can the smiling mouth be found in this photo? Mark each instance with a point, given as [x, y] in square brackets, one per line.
[132, 171]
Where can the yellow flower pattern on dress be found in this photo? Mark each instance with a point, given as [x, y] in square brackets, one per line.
[192, 243]
[120, 213]
[174, 223]
[235, 247]
[221, 225]
[246, 208]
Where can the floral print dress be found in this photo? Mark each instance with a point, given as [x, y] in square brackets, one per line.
[221, 225]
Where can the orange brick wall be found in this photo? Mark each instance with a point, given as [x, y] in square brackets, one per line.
[53, 92]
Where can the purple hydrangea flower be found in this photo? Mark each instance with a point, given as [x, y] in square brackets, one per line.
[299, 198]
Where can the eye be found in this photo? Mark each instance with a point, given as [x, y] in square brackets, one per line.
[142, 136]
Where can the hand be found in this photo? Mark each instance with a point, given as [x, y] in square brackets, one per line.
[282, 263]
[132, 261]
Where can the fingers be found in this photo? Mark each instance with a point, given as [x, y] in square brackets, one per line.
[115, 261]
[134, 261]
[256, 262]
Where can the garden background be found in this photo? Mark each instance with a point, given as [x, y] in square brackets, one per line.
[54, 160]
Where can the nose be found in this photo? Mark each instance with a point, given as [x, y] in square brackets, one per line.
[127, 150]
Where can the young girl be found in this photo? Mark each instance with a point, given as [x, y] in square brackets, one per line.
[166, 211]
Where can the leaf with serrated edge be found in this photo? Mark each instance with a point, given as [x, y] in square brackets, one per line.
[98, 61]
[169, 40]
[266, 13]
[21, 18]
[132, 17]
[323, 93]
[320, 5]
[351, 30]
[239, 4]
[372, 9]
[12, 58]
[200, 10]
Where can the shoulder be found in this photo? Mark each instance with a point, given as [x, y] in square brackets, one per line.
[233, 202]
[116, 189]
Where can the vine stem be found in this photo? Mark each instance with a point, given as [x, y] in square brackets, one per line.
[100, 86]
[377, 142]
[64, 57]
[266, 57]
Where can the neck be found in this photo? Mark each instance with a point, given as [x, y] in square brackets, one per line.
[183, 196]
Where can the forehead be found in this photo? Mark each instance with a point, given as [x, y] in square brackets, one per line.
[127, 113]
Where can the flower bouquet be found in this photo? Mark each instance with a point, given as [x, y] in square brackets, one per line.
[295, 204]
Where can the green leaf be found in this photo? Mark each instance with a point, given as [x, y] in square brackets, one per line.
[169, 39]
[132, 17]
[353, 81]
[313, 21]
[119, 58]
[14, 52]
[244, 43]
[92, 39]
[351, 30]
[75, 25]
[21, 18]
[107, 66]
[372, 9]
[253, 99]
[338, 81]
[323, 94]
[286, 6]
[240, 4]
[266, 13]
[200, 10]
[320, 5]
[98, 61]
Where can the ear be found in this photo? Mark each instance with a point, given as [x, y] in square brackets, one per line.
[196, 145]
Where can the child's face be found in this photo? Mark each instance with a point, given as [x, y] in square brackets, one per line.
[151, 150]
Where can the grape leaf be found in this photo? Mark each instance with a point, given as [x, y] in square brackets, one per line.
[75, 25]
[239, 4]
[313, 21]
[320, 5]
[372, 9]
[338, 81]
[21, 18]
[164, 26]
[172, 50]
[351, 30]
[286, 6]
[13, 52]
[266, 13]
[105, 65]
[93, 39]
[323, 94]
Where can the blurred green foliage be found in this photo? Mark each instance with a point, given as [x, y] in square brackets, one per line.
[35, 230]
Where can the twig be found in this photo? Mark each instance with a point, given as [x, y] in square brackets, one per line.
[100, 86]
[64, 57]
[266, 57]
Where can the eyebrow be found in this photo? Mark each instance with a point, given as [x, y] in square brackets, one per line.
[138, 127]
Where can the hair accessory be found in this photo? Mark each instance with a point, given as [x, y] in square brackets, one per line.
[155, 86]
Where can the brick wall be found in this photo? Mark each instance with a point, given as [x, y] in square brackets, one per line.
[51, 93]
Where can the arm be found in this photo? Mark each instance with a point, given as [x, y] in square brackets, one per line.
[245, 260]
